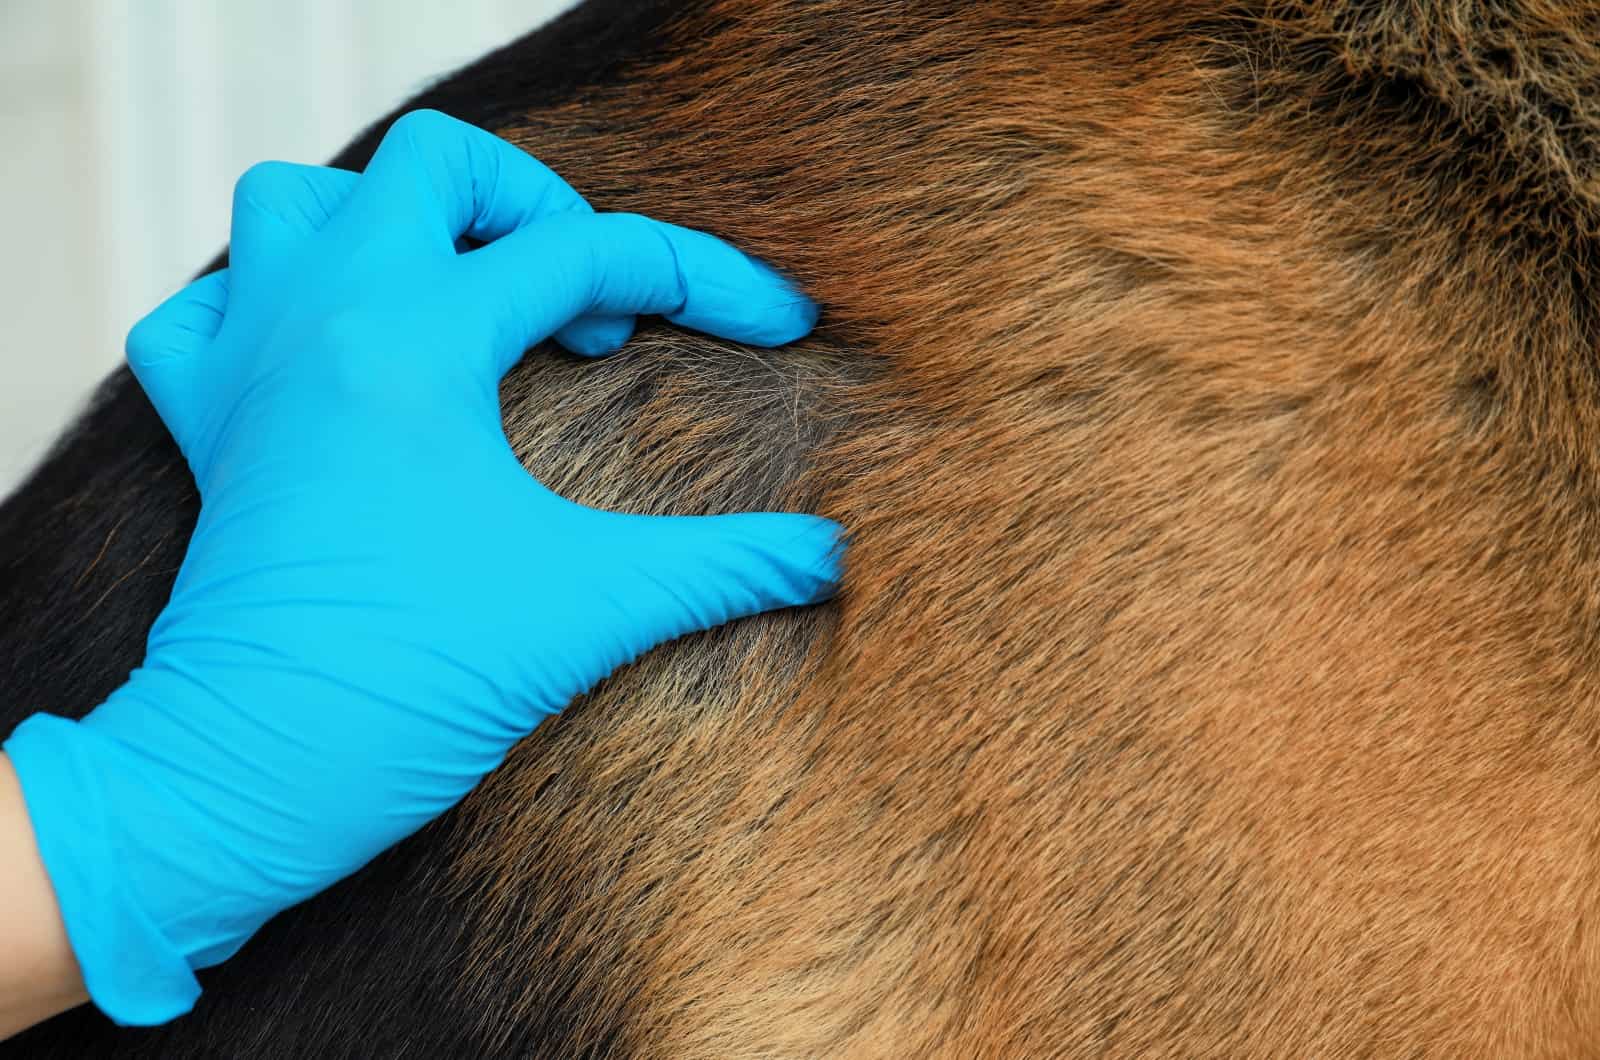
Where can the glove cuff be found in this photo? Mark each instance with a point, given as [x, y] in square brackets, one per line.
[133, 972]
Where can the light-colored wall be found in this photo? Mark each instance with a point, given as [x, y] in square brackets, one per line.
[124, 124]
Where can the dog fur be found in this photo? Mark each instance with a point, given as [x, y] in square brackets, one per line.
[1210, 392]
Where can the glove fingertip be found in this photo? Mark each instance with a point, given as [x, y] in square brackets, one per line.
[595, 336]
[792, 560]
[825, 542]
[735, 295]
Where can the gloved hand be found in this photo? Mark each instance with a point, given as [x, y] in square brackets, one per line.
[378, 600]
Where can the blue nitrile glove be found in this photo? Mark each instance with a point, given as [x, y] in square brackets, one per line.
[378, 600]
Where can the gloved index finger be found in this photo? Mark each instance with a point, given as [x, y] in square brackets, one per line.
[473, 183]
[274, 203]
[546, 274]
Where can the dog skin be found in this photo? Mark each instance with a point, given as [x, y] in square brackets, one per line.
[1210, 393]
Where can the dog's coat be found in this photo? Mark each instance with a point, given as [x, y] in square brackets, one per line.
[1211, 392]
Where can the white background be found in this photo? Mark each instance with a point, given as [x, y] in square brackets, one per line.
[123, 125]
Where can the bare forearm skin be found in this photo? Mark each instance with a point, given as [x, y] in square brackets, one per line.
[38, 974]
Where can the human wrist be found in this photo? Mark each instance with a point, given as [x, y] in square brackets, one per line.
[102, 822]
[40, 975]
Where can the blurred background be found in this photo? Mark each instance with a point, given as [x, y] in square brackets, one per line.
[125, 124]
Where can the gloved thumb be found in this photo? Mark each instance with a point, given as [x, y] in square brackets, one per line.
[692, 573]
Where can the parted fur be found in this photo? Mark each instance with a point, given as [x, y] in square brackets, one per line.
[1210, 391]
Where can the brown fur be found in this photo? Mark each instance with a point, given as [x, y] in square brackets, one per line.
[1215, 673]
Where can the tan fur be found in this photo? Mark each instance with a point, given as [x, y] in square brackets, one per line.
[1213, 406]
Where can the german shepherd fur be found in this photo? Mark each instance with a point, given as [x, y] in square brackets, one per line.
[1211, 393]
